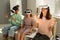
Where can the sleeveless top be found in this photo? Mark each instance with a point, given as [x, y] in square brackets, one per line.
[44, 26]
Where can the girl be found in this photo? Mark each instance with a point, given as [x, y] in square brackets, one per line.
[45, 24]
[15, 21]
[27, 25]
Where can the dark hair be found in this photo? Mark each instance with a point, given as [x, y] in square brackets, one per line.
[12, 11]
[48, 15]
[31, 15]
[16, 7]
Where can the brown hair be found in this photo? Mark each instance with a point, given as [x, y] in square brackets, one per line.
[48, 15]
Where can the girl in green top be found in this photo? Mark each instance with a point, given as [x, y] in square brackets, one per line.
[15, 21]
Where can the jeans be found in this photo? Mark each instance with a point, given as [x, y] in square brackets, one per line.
[10, 30]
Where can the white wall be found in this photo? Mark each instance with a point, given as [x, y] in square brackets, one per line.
[58, 17]
[14, 3]
[4, 9]
[57, 7]
[31, 4]
[50, 3]
[58, 27]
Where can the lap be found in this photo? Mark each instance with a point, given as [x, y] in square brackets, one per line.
[24, 31]
[14, 28]
[27, 31]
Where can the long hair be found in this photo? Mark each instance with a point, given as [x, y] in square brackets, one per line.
[48, 15]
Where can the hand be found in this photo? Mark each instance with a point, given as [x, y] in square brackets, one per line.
[6, 16]
[14, 19]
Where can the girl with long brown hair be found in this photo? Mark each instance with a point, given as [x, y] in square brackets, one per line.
[45, 24]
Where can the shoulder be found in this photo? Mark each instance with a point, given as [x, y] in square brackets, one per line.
[38, 20]
[53, 19]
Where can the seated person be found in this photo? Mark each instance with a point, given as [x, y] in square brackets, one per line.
[27, 25]
[15, 21]
[45, 24]
[34, 16]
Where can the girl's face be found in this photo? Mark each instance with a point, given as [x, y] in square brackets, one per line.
[16, 11]
[44, 11]
[28, 14]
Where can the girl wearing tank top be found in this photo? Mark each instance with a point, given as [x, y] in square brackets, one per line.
[45, 24]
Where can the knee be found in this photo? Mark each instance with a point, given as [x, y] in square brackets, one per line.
[4, 29]
[12, 28]
[20, 33]
[23, 33]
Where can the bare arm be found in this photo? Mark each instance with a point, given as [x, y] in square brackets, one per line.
[51, 28]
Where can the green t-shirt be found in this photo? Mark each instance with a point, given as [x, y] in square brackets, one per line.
[18, 20]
